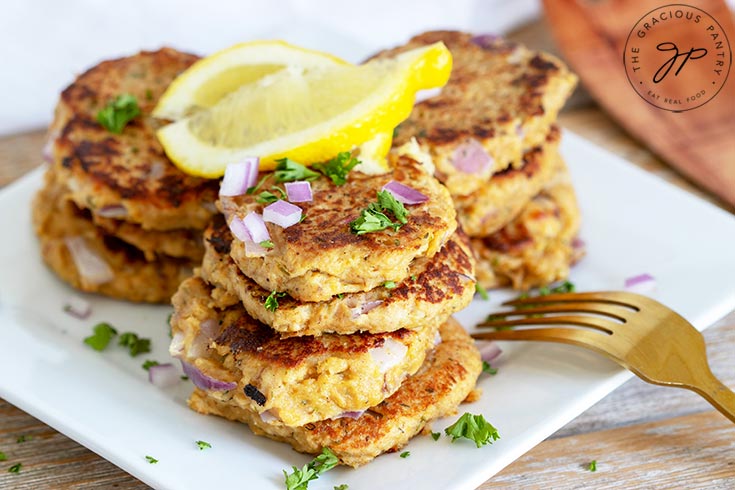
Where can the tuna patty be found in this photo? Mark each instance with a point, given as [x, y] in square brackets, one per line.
[536, 248]
[321, 257]
[435, 289]
[500, 200]
[445, 379]
[59, 224]
[291, 381]
[128, 173]
[500, 102]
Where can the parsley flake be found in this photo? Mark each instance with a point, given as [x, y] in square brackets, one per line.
[592, 466]
[474, 428]
[118, 113]
[251, 190]
[436, 435]
[135, 344]
[271, 302]
[487, 368]
[23, 438]
[202, 445]
[151, 460]
[299, 479]
[99, 340]
[405, 454]
[148, 94]
[266, 244]
[3, 457]
[267, 197]
[288, 170]
[15, 468]
[338, 167]
[148, 364]
[344, 486]
[389, 203]
[389, 284]
[373, 218]
[479, 289]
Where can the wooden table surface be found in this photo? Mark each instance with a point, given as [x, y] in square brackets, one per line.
[641, 436]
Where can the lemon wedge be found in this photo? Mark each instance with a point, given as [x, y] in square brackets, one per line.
[208, 80]
[308, 114]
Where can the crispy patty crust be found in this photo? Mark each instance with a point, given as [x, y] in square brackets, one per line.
[500, 102]
[321, 257]
[127, 172]
[297, 380]
[445, 379]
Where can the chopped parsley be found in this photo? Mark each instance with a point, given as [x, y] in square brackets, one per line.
[118, 113]
[185, 378]
[3, 457]
[271, 302]
[148, 94]
[23, 438]
[148, 364]
[202, 445]
[373, 218]
[266, 244]
[389, 284]
[15, 468]
[436, 435]
[251, 190]
[299, 479]
[405, 454]
[151, 460]
[474, 428]
[592, 466]
[479, 289]
[565, 287]
[267, 197]
[100, 339]
[344, 486]
[487, 368]
[135, 344]
[288, 170]
[338, 167]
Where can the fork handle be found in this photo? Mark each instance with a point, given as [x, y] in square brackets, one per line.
[720, 396]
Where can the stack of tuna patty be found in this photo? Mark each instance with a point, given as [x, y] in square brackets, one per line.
[492, 137]
[115, 215]
[328, 338]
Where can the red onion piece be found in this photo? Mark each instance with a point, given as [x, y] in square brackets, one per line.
[488, 350]
[404, 193]
[239, 230]
[485, 40]
[204, 382]
[642, 283]
[299, 191]
[268, 417]
[425, 94]
[253, 249]
[256, 227]
[115, 211]
[350, 414]
[239, 176]
[365, 307]
[164, 375]
[578, 243]
[388, 355]
[437, 338]
[48, 150]
[176, 349]
[78, 307]
[471, 158]
[282, 213]
[157, 170]
[90, 266]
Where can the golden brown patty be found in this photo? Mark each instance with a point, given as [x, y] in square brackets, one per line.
[501, 99]
[535, 249]
[435, 289]
[129, 172]
[291, 381]
[445, 379]
[58, 223]
[500, 200]
[320, 257]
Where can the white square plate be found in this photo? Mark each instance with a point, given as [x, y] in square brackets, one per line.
[633, 223]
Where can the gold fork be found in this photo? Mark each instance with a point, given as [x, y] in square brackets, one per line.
[637, 332]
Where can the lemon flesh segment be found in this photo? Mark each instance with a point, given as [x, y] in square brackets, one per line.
[208, 80]
[372, 154]
[308, 115]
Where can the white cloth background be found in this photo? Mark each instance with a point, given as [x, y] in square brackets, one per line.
[45, 43]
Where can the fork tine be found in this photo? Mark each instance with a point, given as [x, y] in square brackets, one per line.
[622, 298]
[584, 338]
[585, 321]
[609, 310]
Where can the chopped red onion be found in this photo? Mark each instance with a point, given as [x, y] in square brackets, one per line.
[388, 355]
[642, 283]
[269, 417]
[520, 132]
[485, 40]
[488, 350]
[239, 176]
[404, 193]
[365, 307]
[253, 249]
[425, 94]
[256, 227]
[350, 414]
[239, 230]
[578, 243]
[164, 375]
[48, 150]
[78, 307]
[176, 349]
[91, 267]
[157, 170]
[204, 382]
[437, 338]
[471, 158]
[282, 213]
[115, 211]
[299, 191]
[207, 331]
[466, 277]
